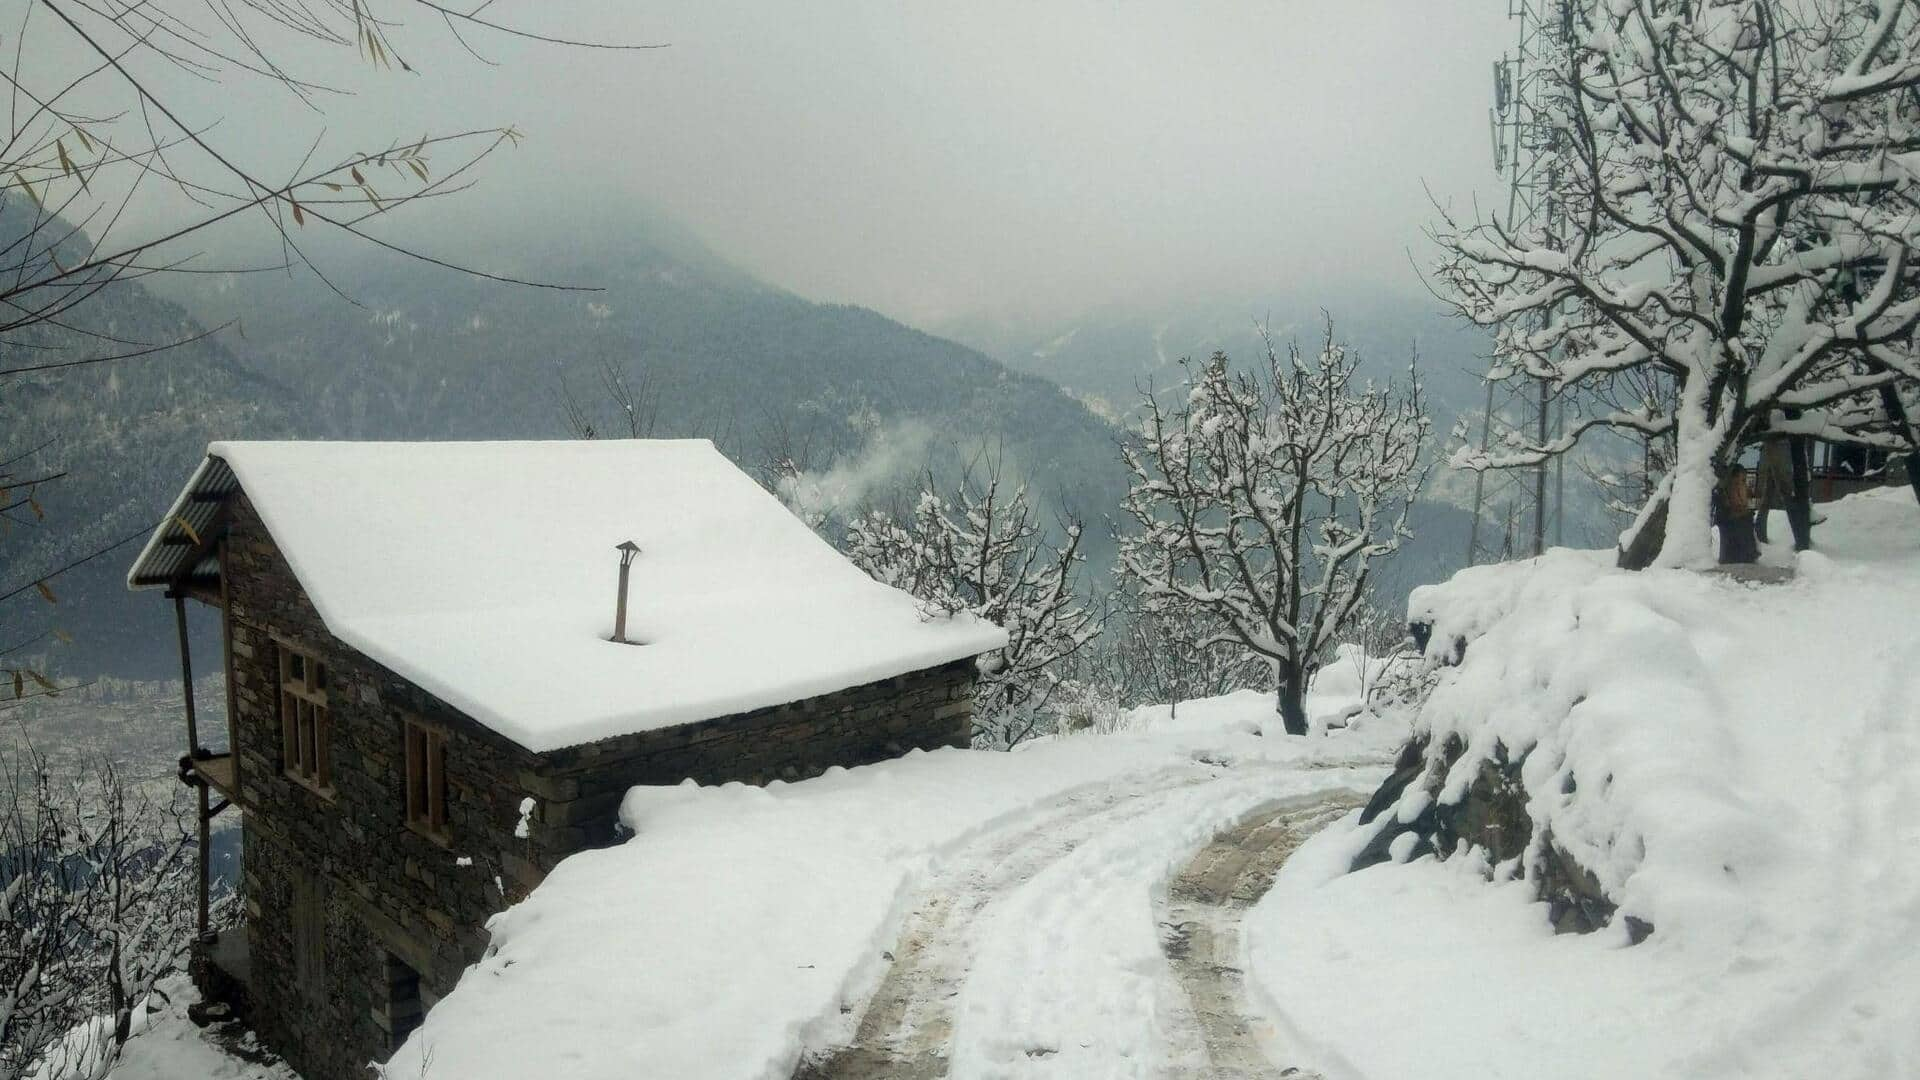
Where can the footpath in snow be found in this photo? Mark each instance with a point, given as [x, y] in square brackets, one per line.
[1001, 913]
[166, 1045]
[1737, 764]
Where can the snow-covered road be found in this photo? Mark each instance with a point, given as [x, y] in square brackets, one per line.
[1201, 935]
[1058, 947]
[957, 913]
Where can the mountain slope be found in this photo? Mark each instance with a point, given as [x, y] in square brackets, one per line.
[432, 354]
[122, 433]
[442, 355]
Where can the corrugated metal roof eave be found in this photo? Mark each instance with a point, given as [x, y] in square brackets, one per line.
[175, 540]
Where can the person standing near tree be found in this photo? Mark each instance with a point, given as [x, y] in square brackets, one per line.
[1775, 480]
[1786, 482]
[1800, 493]
[1733, 512]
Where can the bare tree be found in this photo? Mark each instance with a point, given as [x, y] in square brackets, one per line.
[819, 469]
[633, 396]
[1163, 653]
[1261, 499]
[97, 907]
[982, 550]
[1735, 193]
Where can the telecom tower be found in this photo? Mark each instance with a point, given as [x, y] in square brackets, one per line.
[1526, 152]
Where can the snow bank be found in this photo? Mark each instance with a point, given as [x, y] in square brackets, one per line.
[485, 572]
[1335, 694]
[165, 1045]
[740, 926]
[1736, 765]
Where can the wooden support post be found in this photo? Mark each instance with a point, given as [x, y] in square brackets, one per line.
[201, 923]
[226, 657]
[186, 673]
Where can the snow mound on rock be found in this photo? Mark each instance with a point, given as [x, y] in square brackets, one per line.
[1734, 763]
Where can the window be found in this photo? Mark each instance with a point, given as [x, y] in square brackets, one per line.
[305, 724]
[426, 779]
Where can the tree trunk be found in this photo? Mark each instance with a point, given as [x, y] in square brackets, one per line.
[1292, 702]
[1644, 545]
[1687, 540]
[1702, 439]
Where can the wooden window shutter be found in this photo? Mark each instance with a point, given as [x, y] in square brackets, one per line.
[426, 779]
[416, 773]
[437, 782]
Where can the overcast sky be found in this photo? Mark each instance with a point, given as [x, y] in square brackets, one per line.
[945, 160]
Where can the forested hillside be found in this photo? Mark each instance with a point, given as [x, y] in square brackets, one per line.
[122, 433]
[427, 353]
[440, 355]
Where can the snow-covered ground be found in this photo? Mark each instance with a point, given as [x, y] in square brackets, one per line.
[1739, 765]
[741, 927]
[1736, 763]
[166, 1045]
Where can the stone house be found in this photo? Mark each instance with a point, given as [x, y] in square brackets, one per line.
[447, 662]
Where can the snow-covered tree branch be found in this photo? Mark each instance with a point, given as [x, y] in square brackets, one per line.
[982, 549]
[1733, 211]
[97, 905]
[1261, 499]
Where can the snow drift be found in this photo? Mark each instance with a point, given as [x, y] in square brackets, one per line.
[1729, 765]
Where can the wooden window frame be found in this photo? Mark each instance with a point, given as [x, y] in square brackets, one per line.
[425, 759]
[306, 720]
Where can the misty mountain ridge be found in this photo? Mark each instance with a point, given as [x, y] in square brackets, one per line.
[863, 404]
[1107, 356]
[433, 354]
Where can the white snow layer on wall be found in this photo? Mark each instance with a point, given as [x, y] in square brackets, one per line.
[485, 572]
[1745, 774]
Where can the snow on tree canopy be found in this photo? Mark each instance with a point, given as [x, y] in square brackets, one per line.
[485, 573]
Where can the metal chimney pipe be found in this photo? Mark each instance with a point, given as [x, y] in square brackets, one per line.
[627, 551]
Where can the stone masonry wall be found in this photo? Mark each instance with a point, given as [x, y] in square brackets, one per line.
[389, 893]
[385, 888]
[578, 790]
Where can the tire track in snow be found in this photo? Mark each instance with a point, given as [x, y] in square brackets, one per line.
[907, 1029]
[1200, 921]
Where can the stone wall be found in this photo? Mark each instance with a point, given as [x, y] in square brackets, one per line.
[391, 896]
[578, 790]
[387, 891]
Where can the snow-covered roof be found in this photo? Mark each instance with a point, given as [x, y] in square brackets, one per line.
[485, 573]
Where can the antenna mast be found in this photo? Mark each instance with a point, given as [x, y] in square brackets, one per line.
[1526, 151]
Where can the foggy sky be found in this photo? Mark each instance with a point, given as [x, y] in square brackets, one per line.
[938, 161]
